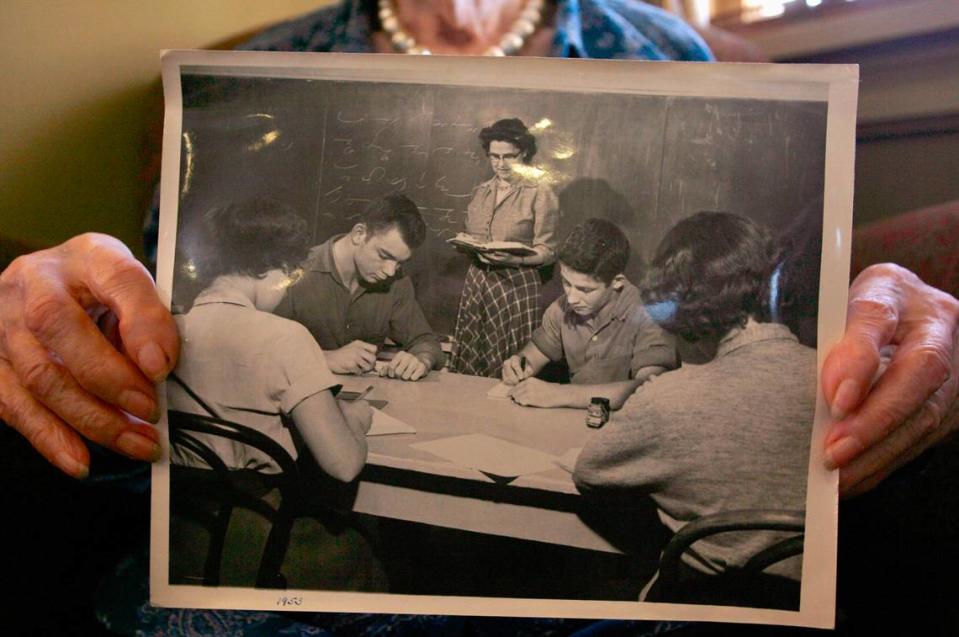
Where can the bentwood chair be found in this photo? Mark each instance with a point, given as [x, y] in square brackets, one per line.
[746, 585]
[230, 489]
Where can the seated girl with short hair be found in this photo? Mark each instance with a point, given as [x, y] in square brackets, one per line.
[253, 367]
[257, 369]
[734, 432]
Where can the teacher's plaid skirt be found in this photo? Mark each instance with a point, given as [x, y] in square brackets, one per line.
[499, 309]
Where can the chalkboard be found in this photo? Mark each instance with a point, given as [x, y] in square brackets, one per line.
[644, 162]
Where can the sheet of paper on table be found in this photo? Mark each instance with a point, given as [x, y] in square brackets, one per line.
[490, 455]
[351, 385]
[384, 424]
[500, 391]
[568, 460]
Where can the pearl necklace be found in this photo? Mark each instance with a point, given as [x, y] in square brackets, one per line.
[513, 41]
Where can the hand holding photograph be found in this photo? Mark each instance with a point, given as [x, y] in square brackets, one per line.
[667, 239]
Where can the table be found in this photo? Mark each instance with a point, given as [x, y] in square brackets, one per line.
[409, 484]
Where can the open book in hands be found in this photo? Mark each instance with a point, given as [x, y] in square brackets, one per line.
[468, 243]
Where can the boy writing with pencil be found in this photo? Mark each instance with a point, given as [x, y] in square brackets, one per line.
[599, 326]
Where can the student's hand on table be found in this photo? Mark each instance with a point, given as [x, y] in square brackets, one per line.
[534, 392]
[353, 358]
[514, 372]
[358, 414]
[913, 404]
[83, 337]
[405, 366]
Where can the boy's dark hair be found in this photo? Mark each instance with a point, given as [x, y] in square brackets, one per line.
[597, 248]
[249, 237]
[512, 131]
[383, 213]
[711, 273]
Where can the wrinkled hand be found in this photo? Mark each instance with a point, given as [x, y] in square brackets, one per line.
[514, 372]
[353, 358]
[405, 366]
[83, 337]
[534, 392]
[358, 414]
[912, 405]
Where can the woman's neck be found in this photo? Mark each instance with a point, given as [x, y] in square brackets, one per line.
[245, 285]
[466, 27]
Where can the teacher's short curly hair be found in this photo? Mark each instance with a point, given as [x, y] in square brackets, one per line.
[712, 271]
[249, 237]
[513, 131]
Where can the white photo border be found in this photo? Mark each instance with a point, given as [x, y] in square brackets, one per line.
[836, 85]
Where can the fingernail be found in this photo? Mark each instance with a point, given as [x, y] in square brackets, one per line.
[153, 361]
[847, 397]
[71, 466]
[139, 404]
[841, 452]
[138, 446]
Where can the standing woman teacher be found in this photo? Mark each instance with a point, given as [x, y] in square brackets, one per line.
[499, 306]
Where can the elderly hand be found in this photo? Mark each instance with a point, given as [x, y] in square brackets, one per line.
[912, 405]
[83, 337]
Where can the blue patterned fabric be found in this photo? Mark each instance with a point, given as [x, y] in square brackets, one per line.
[601, 29]
[124, 610]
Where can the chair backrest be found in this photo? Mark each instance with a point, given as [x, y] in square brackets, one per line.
[182, 424]
[236, 487]
[923, 241]
[739, 584]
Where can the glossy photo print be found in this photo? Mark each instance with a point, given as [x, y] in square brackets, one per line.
[501, 337]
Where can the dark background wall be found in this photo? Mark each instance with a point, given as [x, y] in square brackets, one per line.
[644, 162]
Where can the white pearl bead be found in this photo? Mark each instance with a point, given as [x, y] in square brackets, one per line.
[390, 24]
[524, 28]
[511, 43]
[385, 14]
[533, 15]
[418, 50]
[495, 51]
[402, 41]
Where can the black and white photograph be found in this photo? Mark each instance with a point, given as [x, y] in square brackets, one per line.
[501, 337]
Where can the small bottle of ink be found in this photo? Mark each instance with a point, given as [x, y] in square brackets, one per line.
[597, 414]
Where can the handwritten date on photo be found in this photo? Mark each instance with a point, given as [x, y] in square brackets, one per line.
[289, 601]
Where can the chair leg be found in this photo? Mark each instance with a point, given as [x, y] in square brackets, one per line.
[214, 557]
[644, 594]
[274, 552]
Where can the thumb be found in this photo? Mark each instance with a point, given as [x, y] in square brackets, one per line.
[852, 364]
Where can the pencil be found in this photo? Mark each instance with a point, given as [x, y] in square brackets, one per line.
[364, 393]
